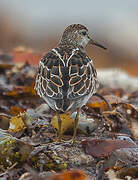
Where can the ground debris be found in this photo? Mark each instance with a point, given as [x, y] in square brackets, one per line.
[12, 150]
[106, 144]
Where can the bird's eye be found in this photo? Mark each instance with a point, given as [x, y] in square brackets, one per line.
[83, 33]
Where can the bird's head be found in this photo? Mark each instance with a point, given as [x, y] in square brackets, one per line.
[78, 35]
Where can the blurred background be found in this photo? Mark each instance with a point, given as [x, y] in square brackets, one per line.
[39, 25]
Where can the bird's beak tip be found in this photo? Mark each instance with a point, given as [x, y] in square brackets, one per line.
[97, 44]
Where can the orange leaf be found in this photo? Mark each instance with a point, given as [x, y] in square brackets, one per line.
[21, 91]
[14, 110]
[70, 175]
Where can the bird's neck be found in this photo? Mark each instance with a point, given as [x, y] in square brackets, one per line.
[70, 45]
[67, 43]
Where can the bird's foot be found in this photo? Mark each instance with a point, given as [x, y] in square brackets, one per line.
[70, 141]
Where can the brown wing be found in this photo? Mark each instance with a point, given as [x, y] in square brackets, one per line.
[63, 76]
[83, 76]
[48, 80]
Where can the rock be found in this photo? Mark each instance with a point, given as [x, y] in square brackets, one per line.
[116, 78]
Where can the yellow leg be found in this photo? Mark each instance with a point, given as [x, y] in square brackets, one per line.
[75, 126]
[59, 128]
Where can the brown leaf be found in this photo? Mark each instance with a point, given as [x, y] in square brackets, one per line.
[102, 148]
[6, 66]
[96, 102]
[15, 110]
[20, 91]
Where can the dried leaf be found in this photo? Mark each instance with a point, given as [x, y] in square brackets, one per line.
[67, 122]
[20, 91]
[17, 124]
[6, 66]
[102, 148]
[69, 175]
[95, 102]
[20, 122]
[15, 110]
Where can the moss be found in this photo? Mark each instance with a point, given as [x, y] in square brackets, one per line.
[12, 150]
[50, 161]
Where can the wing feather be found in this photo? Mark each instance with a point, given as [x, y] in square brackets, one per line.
[65, 76]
